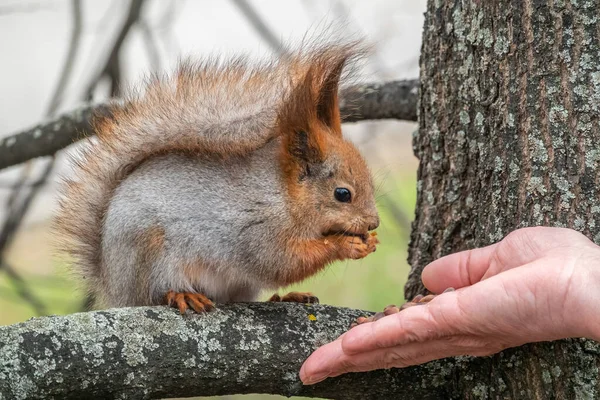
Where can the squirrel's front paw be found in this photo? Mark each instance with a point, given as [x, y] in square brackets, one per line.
[356, 247]
[185, 300]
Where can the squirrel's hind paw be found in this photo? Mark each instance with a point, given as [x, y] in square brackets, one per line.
[196, 301]
[296, 297]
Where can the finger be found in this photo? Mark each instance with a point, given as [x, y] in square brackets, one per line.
[411, 354]
[518, 304]
[458, 270]
[520, 247]
[410, 325]
[398, 357]
[471, 311]
[314, 369]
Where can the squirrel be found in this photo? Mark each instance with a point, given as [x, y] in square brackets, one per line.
[219, 181]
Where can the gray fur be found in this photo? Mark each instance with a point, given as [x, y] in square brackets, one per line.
[221, 215]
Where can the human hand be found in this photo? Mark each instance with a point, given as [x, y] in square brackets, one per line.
[537, 284]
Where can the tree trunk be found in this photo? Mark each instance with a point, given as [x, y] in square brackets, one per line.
[509, 137]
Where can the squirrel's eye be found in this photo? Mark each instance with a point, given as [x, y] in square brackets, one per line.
[343, 195]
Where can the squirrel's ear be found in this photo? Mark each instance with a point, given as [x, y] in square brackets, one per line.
[328, 110]
[302, 140]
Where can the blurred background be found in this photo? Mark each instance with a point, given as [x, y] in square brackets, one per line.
[57, 54]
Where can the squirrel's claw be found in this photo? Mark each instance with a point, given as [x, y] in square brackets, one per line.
[196, 301]
[418, 300]
[296, 297]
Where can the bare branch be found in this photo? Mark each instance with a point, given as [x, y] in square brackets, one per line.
[112, 66]
[259, 25]
[151, 46]
[69, 59]
[390, 100]
[18, 209]
[15, 216]
[396, 100]
[53, 105]
[48, 137]
[23, 290]
[153, 352]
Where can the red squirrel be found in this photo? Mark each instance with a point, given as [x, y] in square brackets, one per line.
[222, 180]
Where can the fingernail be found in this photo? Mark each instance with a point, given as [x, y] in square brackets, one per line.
[311, 380]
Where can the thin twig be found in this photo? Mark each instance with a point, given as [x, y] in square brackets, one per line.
[5, 185]
[16, 186]
[17, 210]
[260, 26]
[17, 213]
[23, 290]
[112, 66]
[69, 63]
[151, 46]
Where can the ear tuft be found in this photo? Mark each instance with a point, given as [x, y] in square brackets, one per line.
[310, 111]
[303, 141]
[327, 103]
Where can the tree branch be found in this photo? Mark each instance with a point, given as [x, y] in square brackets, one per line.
[48, 137]
[389, 100]
[153, 352]
[394, 100]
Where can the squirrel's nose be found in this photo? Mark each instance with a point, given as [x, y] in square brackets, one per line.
[374, 222]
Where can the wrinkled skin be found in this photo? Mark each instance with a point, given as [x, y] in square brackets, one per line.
[538, 284]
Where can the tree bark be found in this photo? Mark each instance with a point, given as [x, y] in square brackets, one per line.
[509, 137]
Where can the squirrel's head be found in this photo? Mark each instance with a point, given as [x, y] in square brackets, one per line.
[327, 178]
